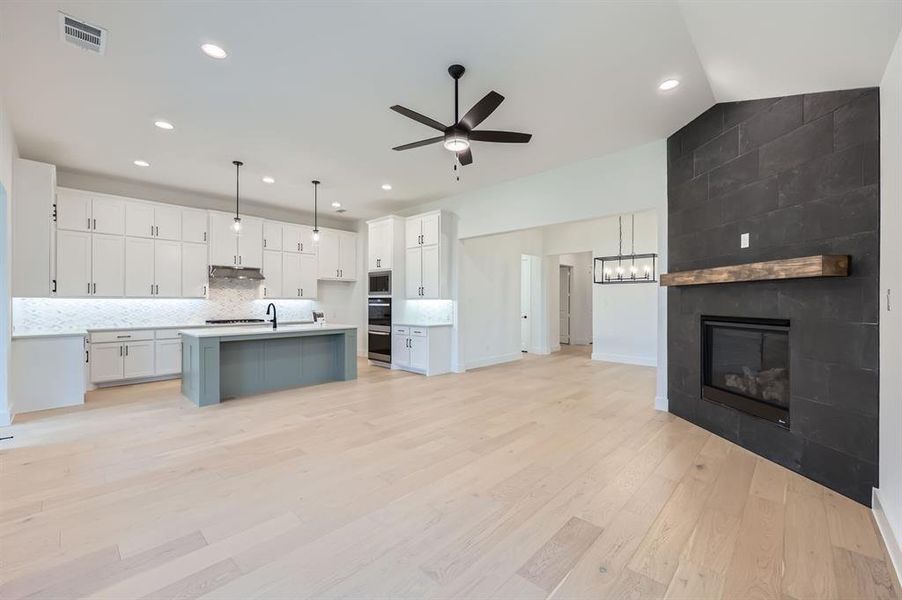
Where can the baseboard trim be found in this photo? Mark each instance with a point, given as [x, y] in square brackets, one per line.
[494, 360]
[662, 403]
[6, 418]
[625, 359]
[890, 538]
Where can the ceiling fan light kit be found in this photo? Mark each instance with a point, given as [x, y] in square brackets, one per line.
[457, 137]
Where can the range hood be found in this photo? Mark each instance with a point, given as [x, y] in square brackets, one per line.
[233, 272]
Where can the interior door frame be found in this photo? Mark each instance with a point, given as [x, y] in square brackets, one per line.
[569, 270]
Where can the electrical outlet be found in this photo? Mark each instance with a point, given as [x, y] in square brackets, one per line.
[743, 240]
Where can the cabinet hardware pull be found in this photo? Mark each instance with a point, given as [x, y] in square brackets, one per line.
[86, 356]
[120, 349]
[95, 287]
[264, 242]
[119, 337]
[239, 259]
[151, 231]
[299, 246]
[299, 291]
[126, 349]
[53, 283]
[157, 286]
[95, 224]
[151, 289]
[205, 289]
[205, 236]
[89, 223]
[89, 287]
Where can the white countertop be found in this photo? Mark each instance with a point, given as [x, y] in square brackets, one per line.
[257, 330]
[83, 332]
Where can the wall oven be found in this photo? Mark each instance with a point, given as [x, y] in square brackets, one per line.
[379, 283]
[379, 330]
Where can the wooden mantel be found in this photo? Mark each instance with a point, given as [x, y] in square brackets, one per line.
[822, 265]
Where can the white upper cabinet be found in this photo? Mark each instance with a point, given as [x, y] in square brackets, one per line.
[223, 241]
[380, 245]
[139, 219]
[431, 229]
[337, 255]
[107, 265]
[431, 272]
[139, 267]
[167, 222]
[272, 273]
[108, 215]
[298, 238]
[308, 278]
[167, 269]
[347, 267]
[73, 210]
[73, 263]
[194, 225]
[413, 272]
[146, 219]
[413, 229]
[272, 235]
[427, 266]
[195, 273]
[250, 243]
[32, 229]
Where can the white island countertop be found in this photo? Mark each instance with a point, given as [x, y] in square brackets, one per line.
[208, 332]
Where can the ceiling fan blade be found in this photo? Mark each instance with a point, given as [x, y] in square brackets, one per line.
[410, 114]
[465, 157]
[482, 109]
[504, 137]
[420, 143]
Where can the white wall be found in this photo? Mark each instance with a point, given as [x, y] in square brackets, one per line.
[8, 153]
[889, 495]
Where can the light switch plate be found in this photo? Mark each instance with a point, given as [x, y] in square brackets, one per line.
[743, 240]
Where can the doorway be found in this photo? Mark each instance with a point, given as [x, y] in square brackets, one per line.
[566, 288]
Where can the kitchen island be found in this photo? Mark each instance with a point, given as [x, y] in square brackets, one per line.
[228, 362]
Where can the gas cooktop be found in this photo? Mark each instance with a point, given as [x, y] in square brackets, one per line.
[232, 321]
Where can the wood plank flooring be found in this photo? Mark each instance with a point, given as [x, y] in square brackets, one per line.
[552, 477]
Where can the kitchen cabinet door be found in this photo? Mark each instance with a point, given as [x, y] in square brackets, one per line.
[106, 361]
[139, 267]
[167, 269]
[307, 244]
[108, 215]
[376, 256]
[73, 264]
[107, 265]
[400, 352]
[194, 225]
[308, 276]
[73, 210]
[291, 275]
[138, 360]
[347, 267]
[168, 357]
[412, 231]
[291, 238]
[167, 222]
[430, 230]
[413, 275]
[223, 241]
[250, 243]
[272, 235]
[329, 254]
[139, 220]
[195, 272]
[272, 273]
[431, 268]
[419, 352]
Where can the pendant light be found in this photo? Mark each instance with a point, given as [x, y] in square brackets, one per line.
[236, 225]
[315, 222]
[642, 267]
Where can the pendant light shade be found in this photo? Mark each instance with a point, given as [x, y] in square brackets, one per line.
[236, 224]
[315, 210]
[626, 268]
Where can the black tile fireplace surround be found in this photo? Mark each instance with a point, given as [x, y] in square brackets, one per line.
[799, 174]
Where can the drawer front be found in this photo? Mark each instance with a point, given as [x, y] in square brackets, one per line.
[418, 331]
[121, 336]
[167, 334]
[398, 330]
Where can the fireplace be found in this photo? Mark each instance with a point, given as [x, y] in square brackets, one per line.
[745, 365]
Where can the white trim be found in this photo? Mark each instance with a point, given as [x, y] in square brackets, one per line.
[6, 418]
[890, 538]
[643, 361]
[662, 403]
[494, 360]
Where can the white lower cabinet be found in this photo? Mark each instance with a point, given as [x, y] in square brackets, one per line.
[106, 362]
[134, 354]
[425, 350]
[138, 360]
[168, 356]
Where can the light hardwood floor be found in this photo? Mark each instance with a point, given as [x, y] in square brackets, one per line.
[550, 477]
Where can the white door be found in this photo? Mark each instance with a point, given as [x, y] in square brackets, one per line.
[250, 243]
[272, 235]
[223, 242]
[272, 274]
[73, 211]
[308, 277]
[329, 255]
[73, 263]
[430, 230]
[194, 225]
[431, 283]
[167, 269]
[106, 361]
[167, 222]
[374, 245]
[108, 215]
[525, 294]
[291, 275]
[566, 277]
[291, 238]
[108, 265]
[306, 241]
[347, 261]
[400, 351]
[168, 356]
[138, 359]
[413, 272]
[419, 351]
[413, 228]
[386, 245]
[195, 273]
[139, 267]
[139, 219]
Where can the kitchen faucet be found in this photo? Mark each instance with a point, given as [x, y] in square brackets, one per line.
[275, 321]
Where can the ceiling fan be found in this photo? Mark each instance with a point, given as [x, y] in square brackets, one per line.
[458, 136]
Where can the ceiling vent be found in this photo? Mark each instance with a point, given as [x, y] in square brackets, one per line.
[82, 35]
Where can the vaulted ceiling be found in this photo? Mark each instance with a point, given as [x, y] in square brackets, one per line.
[305, 90]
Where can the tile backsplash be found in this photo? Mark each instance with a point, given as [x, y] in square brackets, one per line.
[228, 298]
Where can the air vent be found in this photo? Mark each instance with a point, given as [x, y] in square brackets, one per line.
[82, 35]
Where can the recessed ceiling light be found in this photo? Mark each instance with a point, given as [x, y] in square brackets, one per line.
[386, 186]
[164, 125]
[336, 205]
[668, 84]
[268, 179]
[142, 163]
[213, 51]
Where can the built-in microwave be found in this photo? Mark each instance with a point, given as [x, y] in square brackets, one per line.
[379, 283]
